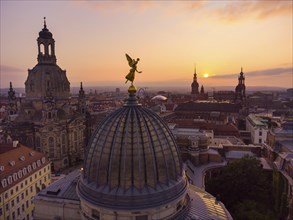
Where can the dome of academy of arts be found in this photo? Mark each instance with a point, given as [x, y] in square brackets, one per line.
[132, 162]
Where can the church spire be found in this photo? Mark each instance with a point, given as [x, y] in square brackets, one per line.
[240, 88]
[45, 26]
[11, 92]
[81, 100]
[194, 85]
[194, 75]
[241, 77]
[12, 106]
[81, 91]
[202, 89]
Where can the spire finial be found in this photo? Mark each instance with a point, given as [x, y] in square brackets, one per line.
[45, 26]
[194, 68]
[241, 69]
[81, 85]
[10, 84]
[202, 89]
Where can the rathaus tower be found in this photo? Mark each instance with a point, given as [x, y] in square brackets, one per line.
[47, 121]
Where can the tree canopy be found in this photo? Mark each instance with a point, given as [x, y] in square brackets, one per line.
[244, 187]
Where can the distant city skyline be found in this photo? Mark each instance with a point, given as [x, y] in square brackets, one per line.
[170, 38]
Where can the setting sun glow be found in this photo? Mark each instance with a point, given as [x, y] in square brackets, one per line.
[109, 29]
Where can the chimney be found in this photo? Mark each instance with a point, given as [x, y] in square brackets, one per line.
[15, 143]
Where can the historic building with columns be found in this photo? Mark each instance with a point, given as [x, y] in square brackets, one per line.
[132, 171]
[46, 120]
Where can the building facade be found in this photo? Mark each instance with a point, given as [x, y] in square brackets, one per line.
[47, 120]
[258, 129]
[24, 172]
[132, 171]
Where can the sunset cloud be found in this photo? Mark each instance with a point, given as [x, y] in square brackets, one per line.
[11, 74]
[257, 73]
[169, 36]
[233, 11]
[10, 69]
[224, 10]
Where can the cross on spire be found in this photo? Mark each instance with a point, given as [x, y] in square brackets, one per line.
[45, 26]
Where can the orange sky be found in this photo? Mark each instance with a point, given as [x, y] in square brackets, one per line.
[92, 38]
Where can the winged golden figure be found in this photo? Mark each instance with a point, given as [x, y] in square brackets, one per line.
[132, 63]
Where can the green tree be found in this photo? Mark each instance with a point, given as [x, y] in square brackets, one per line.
[243, 184]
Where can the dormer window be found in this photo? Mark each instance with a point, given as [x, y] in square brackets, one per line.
[4, 183]
[32, 153]
[22, 158]
[19, 174]
[43, 160]
[1, 168]
[24, 171]
[15, 177]
[11, 162]
[34, 165]
[29, 168]
[39, 163]
[9, 179]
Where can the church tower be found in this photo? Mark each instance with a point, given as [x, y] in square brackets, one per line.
[46, 46]
[240, 88]
[47, 120]
[194, 84]
[81, 100]
[12, 102]
[46, 78]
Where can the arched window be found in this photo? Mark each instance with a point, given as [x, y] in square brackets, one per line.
[51, 144]
[50, 49]
[42, 48]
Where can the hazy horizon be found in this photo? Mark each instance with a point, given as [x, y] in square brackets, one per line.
[169, 37]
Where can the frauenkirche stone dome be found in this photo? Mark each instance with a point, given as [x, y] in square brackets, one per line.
[132, 163]
[47, 79]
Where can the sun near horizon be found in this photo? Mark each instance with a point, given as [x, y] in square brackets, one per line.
[167, 37]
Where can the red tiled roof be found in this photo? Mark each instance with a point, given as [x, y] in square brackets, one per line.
[15, 154]
[4, 148]
[219, 129]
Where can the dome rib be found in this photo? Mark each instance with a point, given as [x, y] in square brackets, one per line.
[125, 162]
[101, 177]
[167, 134]
[132, 160]
[152, 151]
[169, 149]
[163, 173]
[139, 117]
[112, 155]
